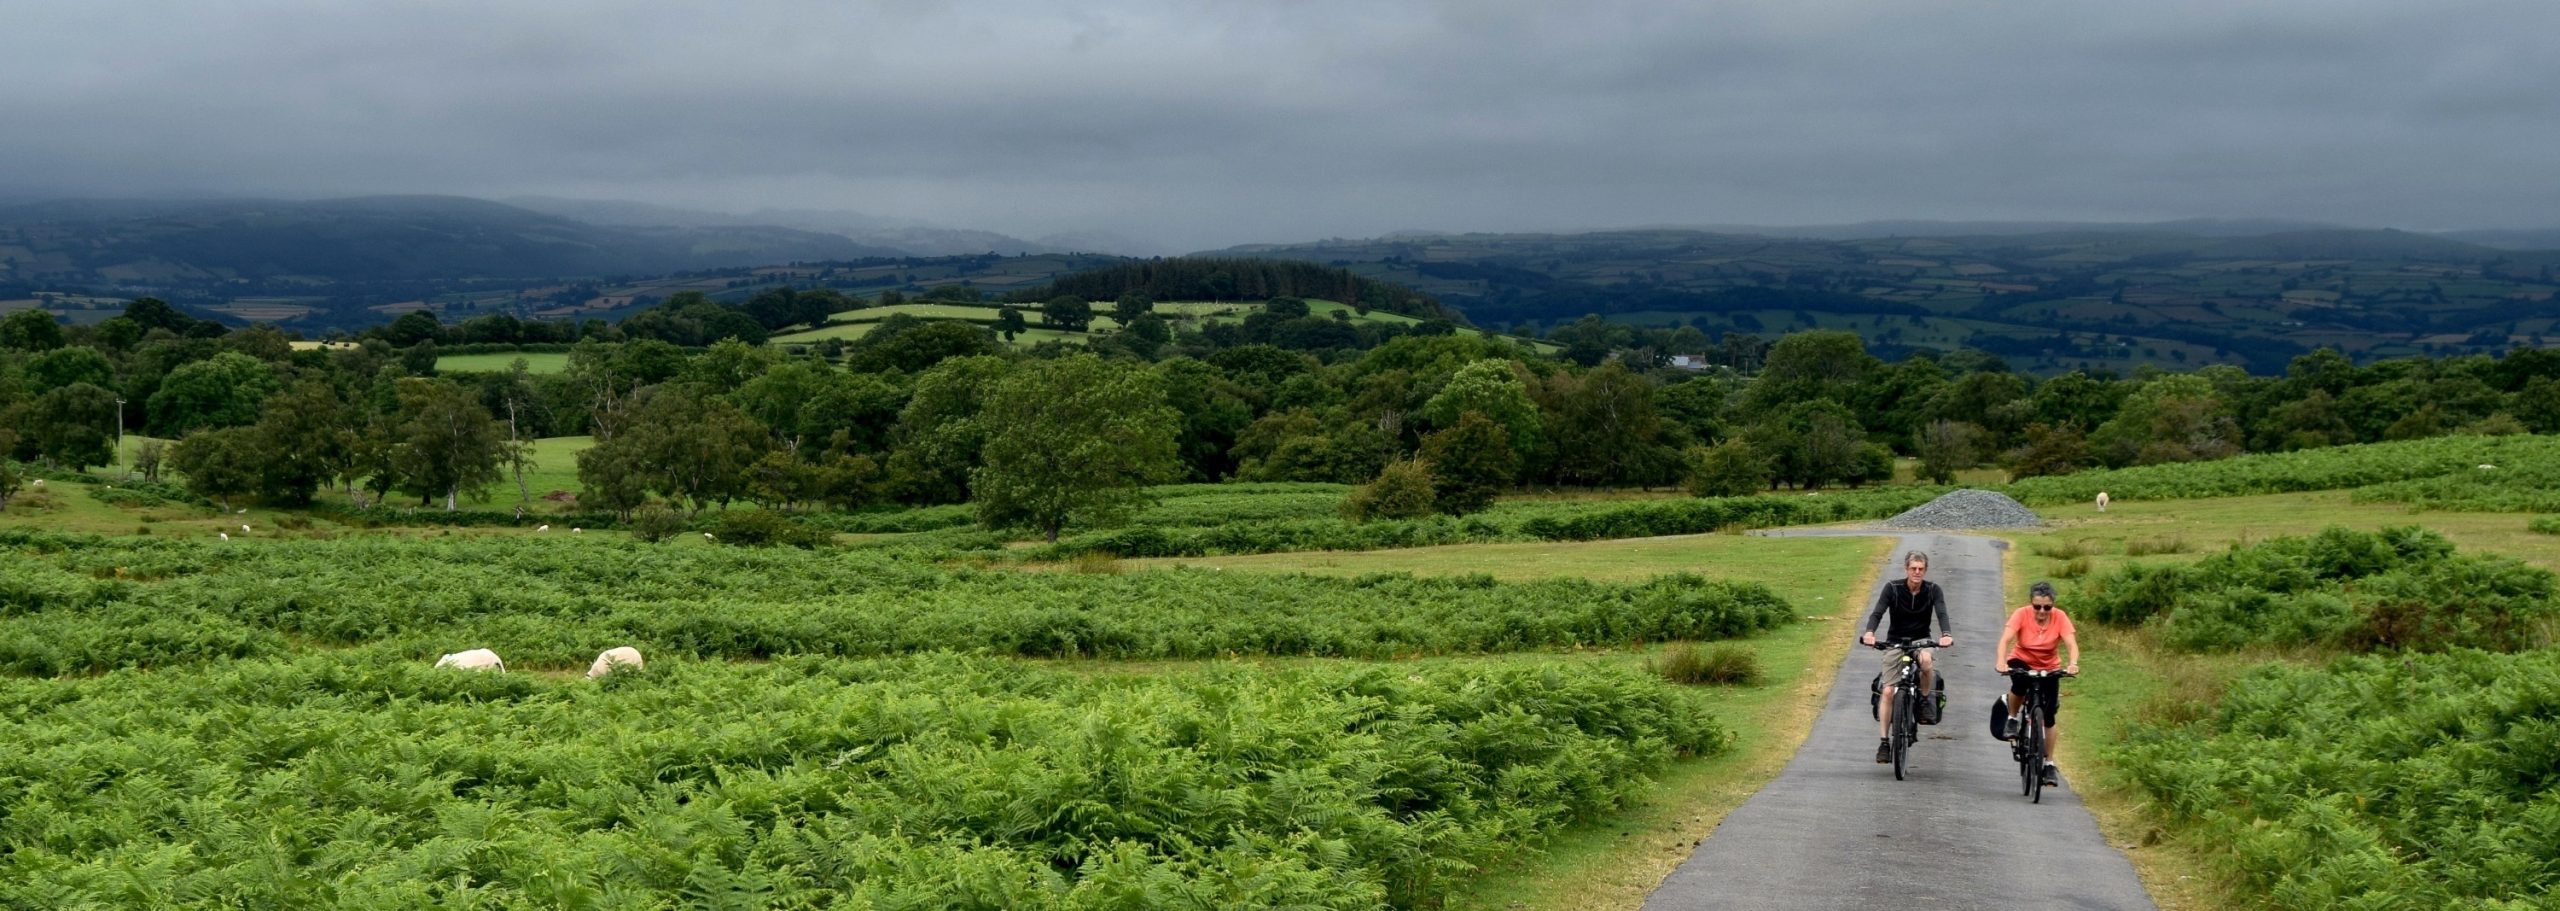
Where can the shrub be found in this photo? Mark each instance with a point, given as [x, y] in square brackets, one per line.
[2144, 547]
[2544, 525]
[1728, 469]
[1403, 490]
[1724, 663]
[656, 522]
[1096, 562]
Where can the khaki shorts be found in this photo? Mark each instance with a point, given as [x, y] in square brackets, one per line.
[1892, 666]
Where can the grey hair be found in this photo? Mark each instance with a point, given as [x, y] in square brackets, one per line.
[2040, 590]
[1918, 556]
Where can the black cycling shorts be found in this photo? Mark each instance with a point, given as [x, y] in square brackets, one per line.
[2047, 688]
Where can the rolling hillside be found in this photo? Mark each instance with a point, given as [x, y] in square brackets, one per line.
[2081, 297]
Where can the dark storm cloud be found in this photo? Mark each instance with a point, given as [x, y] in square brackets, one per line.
[1211, 123]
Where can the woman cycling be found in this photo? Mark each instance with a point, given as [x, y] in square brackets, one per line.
[2029, 640]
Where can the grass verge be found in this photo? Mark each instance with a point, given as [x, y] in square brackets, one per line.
[1614, 865]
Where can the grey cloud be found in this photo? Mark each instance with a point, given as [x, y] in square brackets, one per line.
[1210, 123]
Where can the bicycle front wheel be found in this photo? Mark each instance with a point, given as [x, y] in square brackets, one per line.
[2031, 760]
[1905, 728]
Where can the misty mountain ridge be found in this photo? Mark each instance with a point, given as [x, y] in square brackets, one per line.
[147, 243]
[907, 236]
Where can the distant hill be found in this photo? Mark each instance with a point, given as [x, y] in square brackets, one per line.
[2101, 297]
[2199, 227]
[142, 243]
[884, 236]
[2510, 238]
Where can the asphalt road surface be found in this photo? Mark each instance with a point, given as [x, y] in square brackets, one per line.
[1836, 831]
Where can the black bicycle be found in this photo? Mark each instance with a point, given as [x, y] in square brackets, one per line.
[2026, 737]
[1905, 727]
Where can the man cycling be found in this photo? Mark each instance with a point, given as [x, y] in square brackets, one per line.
[2035, 630]
[1911, 602]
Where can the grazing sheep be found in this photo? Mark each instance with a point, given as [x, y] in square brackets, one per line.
[2102, 501]
[244, 528]
[39, 483]
[576, 530]
[542, 528]
[707, 536]
[478, 659]
[225, 535]
[2482, 468]
[612, 659]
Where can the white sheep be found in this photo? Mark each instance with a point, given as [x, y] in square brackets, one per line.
[40, 483]
[2487, 467]
[244, 528]
[612, 659]
[478, 659]
[576, 530]
[2102, 501]
[707, 537]
[542, 528]
[225, 535]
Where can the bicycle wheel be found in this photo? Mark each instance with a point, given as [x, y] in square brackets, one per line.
[1903, 706]
[2031, 767]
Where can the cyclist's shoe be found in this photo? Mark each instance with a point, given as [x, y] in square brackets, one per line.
[1884, 751]
[2009, 728]
[2052, 777]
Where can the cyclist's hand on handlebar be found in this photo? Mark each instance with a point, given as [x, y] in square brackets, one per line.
[1946, 641]
[1867, 638]
[2073, 670]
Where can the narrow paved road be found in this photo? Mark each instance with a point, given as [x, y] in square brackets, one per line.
[1835, 830]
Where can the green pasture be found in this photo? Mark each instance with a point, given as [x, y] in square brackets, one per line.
[500, 362]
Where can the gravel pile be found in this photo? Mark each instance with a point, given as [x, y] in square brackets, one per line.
[1967, 509]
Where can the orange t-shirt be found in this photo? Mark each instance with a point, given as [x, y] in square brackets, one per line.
[2039, 644]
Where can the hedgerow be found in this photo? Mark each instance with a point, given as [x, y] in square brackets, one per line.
[2428, 781]
[946, 782]
[2399, 589]
[1519, 521]
[555, 600]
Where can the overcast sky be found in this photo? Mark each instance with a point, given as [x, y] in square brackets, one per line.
[1210, 123]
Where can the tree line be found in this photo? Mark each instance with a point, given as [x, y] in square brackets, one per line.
[921, 412]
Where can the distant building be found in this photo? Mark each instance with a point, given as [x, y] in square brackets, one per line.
[1690, 362]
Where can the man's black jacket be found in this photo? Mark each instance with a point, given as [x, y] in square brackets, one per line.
[1910, 612]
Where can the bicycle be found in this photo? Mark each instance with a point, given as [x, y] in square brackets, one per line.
[1907, 697]
[2026, 737]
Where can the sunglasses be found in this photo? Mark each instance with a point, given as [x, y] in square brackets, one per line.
[2043, 607]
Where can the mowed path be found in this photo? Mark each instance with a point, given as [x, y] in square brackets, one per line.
[1835, 830]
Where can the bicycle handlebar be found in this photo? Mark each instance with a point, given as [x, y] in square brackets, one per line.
[2016, 672]
[1913, 645]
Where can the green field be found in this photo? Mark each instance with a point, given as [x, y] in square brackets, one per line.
[932, 694]
[535, 362]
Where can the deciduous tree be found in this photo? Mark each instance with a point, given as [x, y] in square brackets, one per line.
[1075, 439]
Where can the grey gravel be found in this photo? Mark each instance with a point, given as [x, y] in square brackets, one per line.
[1967, 508]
